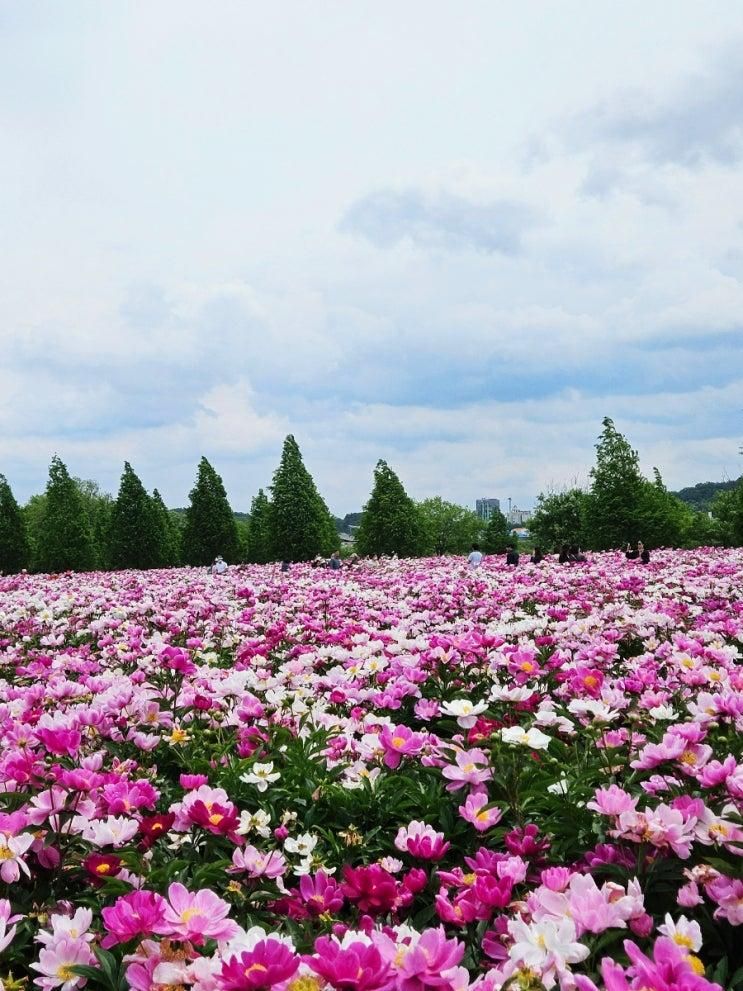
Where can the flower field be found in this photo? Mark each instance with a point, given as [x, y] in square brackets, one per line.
[406, 775]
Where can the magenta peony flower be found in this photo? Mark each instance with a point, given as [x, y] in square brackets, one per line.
[266, 966]
[353, 967]
[320, 893]
[398, 743]
[140, 913]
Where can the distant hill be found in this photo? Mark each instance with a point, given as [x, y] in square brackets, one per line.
[349, 520]
[701, 495]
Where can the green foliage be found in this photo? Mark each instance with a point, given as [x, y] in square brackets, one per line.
[300, 524]
[258, 549]
[168, 533]
[210, 527]
[617, 488]
[447, 528]
[15, 552]
[559, 519]
[67, 540]
[728, 512]
[702, 495]
[391, 522]
[497, 534]
[135, 537]
[97, 506]
[663, 520]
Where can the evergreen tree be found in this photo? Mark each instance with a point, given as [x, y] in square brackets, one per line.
[98, 506]
[300, 524]
[259, 531]
[613, 504]
[66, 542]
[135, 539]
[662, 519]
[210, 525]
[497, 534]
[391, 522]
[168, 533]
[14, 546]
[447, 528]
[558, 519]
[727, 508]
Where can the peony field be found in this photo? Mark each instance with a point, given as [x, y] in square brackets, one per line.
[404, 775]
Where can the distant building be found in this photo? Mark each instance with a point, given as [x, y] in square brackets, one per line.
[520, 533]
[517, 517]
[486, 507]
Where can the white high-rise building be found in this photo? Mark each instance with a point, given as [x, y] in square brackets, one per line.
[486, 507]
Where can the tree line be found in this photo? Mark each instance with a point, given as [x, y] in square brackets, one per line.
[73, 526]
[621, 506]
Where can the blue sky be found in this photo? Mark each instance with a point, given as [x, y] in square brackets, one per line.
[451, 235]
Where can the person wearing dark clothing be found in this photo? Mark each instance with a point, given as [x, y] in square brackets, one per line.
[512, 555]
[631, 554]
[643, 552]
[537, 557]
[284, 565]
[564, 555]
[575, 554]
[335, 561]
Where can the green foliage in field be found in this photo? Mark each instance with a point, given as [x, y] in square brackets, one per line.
[66, 540]
[210, 527]
[15, 552]
[300, 524]
[391, 523]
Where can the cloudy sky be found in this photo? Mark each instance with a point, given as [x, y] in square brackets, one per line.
[452, 235]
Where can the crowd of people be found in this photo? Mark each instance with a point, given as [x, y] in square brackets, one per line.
[565, 554]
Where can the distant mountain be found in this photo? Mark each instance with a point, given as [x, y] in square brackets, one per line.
[701, 495]
[349, 520]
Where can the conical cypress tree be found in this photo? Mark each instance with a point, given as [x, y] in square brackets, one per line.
[66, 542]
[14, 546]
[134, 538]
[167, 533]
[300, 523]
[390, 523]
[259, 530]
[210, 527]
[613, 504]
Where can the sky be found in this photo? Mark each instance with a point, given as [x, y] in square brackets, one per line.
[451, 235]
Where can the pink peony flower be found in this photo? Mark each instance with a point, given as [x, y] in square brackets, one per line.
[612, 801]
[320, 894]
[140, 913]
[475, 811]
[422, 841]
[197, 916]
[471, 767]
[352, 967]
[257, 864]
[398, 743]
[267, 965]
[57, 960]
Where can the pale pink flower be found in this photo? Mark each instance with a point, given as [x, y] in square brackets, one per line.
[475, 811]
[471, 767]
[612, 801]
[198, 915]
[57, 960]
[257, 864]
[12, 851]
